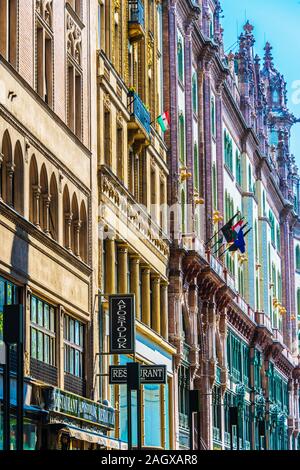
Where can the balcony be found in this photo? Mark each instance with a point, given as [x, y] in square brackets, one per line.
[136, 22]
[217, 266]
[120, 207]
[192, 243]
[139, 125]
[263, 320]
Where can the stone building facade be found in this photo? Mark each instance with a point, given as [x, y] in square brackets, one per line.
[47, 237]
[232, 317]
[132, 182]
[96, 200]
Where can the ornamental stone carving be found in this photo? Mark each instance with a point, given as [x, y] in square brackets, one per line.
[44, 9]
[74, 39]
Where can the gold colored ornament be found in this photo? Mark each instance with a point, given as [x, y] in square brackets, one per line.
[184, 174]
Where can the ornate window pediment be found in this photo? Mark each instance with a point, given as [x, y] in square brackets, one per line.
[74, 38]
[44, 8]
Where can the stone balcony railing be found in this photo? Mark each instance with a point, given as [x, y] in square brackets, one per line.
[263, 320]
[131, 213]
[192, 243]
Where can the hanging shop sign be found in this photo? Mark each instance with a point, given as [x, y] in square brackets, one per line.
[149, 374]
[59, 401]
[121, 324]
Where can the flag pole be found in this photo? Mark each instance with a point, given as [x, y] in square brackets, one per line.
[230, 220]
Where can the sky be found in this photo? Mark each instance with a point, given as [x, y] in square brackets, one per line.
[276, 21]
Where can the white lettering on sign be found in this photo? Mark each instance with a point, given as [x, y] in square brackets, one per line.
[122, 325]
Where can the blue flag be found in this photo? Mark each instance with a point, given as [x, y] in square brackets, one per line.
[239, 243]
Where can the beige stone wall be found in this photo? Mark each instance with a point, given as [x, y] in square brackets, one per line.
[28, 255]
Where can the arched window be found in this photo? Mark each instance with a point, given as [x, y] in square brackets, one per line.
[195, 93]
[180, 58]
[8, 30]
[83, 233]
[272, 223]
[183, 222]
[44, 201]
[67, 220]
[33, 192]
[238, 168]
[278, 237]
[275, 96]
[298, 257]
[181, 139]
[7, 172]
[53, 210]
[18, 182]
[196, 167]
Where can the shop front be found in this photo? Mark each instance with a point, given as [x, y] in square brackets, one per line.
[33, 416]
[76, 423]
[156, 399]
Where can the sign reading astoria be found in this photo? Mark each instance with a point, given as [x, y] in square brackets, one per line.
[59, 401]
[121, 324]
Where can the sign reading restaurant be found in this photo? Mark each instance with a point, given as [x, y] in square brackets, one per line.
[121, 324]
[149, 374]
[59, 401]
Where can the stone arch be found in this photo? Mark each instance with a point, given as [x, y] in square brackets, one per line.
[33, 191]
[18, 180]
[83, 233]
[6, 178]
[53, 209]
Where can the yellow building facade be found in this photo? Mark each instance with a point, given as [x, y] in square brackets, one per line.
[132, 181]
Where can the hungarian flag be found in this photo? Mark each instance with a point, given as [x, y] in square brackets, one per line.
[164, 121]
[237, 227]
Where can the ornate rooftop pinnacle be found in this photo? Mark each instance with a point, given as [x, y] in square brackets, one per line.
[268, 58]
[248, 28]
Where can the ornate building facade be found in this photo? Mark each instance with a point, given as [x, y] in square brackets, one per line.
[47, 153]
[132, 181]
[232, 318]
[96, 200]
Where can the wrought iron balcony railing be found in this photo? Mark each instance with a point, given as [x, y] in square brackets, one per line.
[136, 21]
[138, 110]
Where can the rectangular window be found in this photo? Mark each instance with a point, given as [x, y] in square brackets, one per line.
[42, 336]
[44, 65]
[73, 346]
[74, 100]
[8, 30]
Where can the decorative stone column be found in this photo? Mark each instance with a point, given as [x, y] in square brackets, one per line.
[9, 189]
[156, 304]
[36, 205]
[46, 205]
[135, 283]
[77, 227]
[164, 324]
[123, 266]
[146, 306]
[110, 266]
[68, 225]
